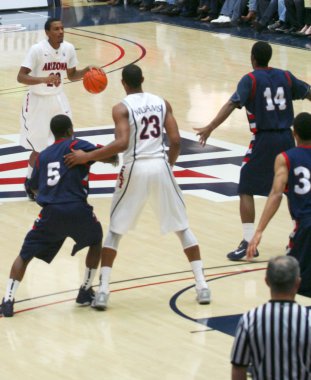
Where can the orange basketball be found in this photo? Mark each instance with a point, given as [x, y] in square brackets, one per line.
[95, 81]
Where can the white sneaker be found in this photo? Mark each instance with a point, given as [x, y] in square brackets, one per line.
[217, 20]
[204, 296]
[100, 301]
[221, 19]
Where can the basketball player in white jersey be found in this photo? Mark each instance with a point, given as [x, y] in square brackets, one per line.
[140, 122]
[44, 69]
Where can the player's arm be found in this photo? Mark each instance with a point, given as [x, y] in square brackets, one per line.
[300, 89]
[73, 74]
[173, 135]
[24, 77]
[120, 143]
[237, 100]
[238, 372]
[222, 115]
[272, 204]
[34, 180]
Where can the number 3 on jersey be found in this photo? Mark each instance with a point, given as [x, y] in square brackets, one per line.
[304, 180]
[278, 99]
[151, 127]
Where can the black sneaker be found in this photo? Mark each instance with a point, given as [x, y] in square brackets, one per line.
[275, 25]
[7, 308]
[85, 297]
[240, 252]
[30, 194]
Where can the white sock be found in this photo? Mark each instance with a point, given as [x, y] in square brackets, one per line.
[197, 269]
[104, 279]
[11, 289]
[248, 231]
[88, 278]
[29, 171]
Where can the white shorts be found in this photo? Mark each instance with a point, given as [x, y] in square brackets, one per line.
[147, 179]
[37, 113]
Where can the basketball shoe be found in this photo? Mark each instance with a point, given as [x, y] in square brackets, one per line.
[204, 296]
[240, 252]
[85, 297]
[100, 301]
[7, 308]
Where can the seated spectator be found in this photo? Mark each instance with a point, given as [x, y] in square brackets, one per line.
[274, 7]
[232, 11]
[214, 7]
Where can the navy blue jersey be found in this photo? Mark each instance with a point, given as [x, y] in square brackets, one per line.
[54, 181]
[298, 161]
[268, 95]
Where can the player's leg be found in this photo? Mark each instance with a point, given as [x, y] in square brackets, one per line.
[299, 247]
[247, 215]
[16, 275]
[80, 223]
[127, 203]
[168, 204]
[108, 255]
[86, 292]
[192, 251]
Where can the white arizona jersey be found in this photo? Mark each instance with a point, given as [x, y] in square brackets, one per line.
[43, 60]
[146, 118]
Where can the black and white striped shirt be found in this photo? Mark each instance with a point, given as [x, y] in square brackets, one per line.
[275, 339]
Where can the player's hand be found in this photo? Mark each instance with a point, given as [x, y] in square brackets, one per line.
[91, 67]
[52, 79]
[113, 160]
[252, 246]
[204, 133]
[76, 157]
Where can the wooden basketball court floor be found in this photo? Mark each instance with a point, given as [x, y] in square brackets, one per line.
[153, 328]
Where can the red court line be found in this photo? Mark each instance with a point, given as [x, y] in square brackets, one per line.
[13, 165]
[92, 177]
[140, 286]
[120, 48]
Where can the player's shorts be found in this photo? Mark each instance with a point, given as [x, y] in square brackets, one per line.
[57, 222]
[147, 180]
[257, 171]
[37, 112]
[300, 247]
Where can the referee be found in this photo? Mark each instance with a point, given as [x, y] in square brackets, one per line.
[275, 338]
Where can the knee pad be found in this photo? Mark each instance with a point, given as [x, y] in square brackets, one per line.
[112, 240]
[187, 238]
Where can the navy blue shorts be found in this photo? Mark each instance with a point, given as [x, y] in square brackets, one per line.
[300, 248]
[257, 171]
[57, 222]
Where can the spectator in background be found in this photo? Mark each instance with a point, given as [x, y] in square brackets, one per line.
[274, 7]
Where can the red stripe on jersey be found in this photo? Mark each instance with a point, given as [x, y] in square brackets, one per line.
[75, 142]
[288, 78]
[286, 159]
[254, 84]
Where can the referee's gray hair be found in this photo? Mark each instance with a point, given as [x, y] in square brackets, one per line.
[282, 273]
